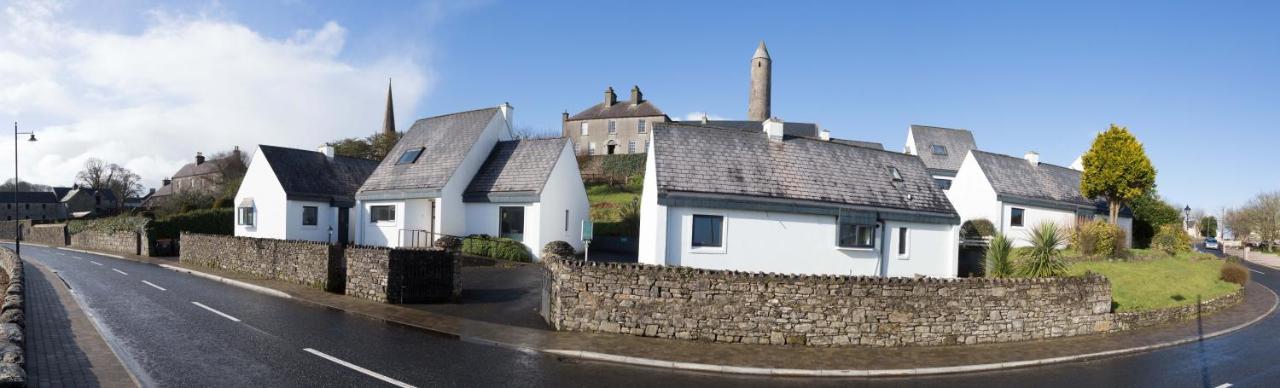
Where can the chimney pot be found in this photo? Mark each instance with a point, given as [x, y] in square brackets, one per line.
[636, 96]
[199, 158]
[825, 135]
[773, 127]
[166, 182]
[564, 116]
[327, 150]
[1033, 158]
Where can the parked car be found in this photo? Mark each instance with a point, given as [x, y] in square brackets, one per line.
[1211, 243]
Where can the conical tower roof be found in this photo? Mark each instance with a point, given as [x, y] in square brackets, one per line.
[761, 52]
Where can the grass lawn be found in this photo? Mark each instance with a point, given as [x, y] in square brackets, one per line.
[1161, 282]
[606, 199]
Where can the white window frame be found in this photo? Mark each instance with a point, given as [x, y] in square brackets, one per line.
[640, 127]
[240, 216]
[591, 148]
[631, 147]
[903, 242]
[585, 129]
[613, 127]
[724, 234]
[393, 219]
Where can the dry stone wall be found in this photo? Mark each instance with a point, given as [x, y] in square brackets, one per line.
[7, 228]
[403, 275]
[1137, 319]
[48, 234]
[126, 243]
[725, 306]
[301, 262]
[12, 323]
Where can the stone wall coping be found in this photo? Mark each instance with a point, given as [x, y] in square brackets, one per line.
[273, 240]
[1088, 278]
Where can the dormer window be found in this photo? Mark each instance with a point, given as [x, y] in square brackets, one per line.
[938, 149]
[410, 156]
[893, 171]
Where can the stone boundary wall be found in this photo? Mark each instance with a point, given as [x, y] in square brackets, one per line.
[12, 323]
[48, 234]
[114, 242]
[7, 229]
[373, 273]
[754, 308]
[1139, 319]
[301, 262]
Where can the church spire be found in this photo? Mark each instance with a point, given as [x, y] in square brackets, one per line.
[389, 121]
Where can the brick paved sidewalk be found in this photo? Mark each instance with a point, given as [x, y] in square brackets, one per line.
[1259, 301]
[64, 349]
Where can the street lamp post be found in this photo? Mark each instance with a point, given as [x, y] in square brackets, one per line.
[17, 220]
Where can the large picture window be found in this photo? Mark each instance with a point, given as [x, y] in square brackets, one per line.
[708, 231]
[382, 213]
[857, 236]
[511, 222]
[310, 215]
[1015, 216]
[246, 216]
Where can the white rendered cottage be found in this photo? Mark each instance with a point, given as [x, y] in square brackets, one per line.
[293, 194]
[1016, 194]
[764, 201]
[461, 174]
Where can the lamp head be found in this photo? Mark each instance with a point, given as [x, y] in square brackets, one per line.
[32, 138]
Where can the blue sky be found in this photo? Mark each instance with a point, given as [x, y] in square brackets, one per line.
[1197, 82]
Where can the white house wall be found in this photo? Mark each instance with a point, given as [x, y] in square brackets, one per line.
[971, 193]
[326, 217]
[482, 218]
[1033, 216]
[452, 216]
[260, 183]
[653, 218]
[563, 191]
[932, 250]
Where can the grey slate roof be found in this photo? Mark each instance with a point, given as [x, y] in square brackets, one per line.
[446, 141]
[106, 195]
[208, 167]
[61, 192]
[29, 197]
[515, 167]
[859, 143]
[309, 175]
[1014, 176]
[711, 160]
[788, 128]
[957, 141]
[620, 109]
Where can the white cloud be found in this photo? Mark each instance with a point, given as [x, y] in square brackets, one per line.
[151, 100]
[693, 116]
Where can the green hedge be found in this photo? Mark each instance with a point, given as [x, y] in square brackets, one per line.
[120, 223]
[498, 248]
[207, 221]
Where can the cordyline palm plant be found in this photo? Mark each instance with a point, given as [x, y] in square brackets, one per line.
[1043, 259]
[997, 263]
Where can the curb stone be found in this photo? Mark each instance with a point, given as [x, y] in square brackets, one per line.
[233, 282]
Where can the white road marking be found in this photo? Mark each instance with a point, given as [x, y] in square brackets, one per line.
[154, 285]
[1224, 385]
[373, 374]
[95, 263]
[121, 272]
[1255, 271]
[224, 315]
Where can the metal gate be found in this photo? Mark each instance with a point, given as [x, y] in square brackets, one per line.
[421, 277]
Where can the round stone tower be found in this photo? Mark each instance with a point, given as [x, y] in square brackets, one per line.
[761, 83]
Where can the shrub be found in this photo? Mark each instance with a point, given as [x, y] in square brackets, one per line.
[1043, 259]
[497, 248]
[1099, 239]
[1234, 273]
[120, 223]
[448, 243]
[977, 229]
[207, 221]
[1171, 239]
[997, 263]
[559, 248]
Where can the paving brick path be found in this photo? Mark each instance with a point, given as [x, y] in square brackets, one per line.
[63, 347]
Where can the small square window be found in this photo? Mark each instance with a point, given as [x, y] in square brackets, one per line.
[382, 213]
[246, 216]
[938, 149]
[857, 236]
[310, 215]
[410, 156]
[708, 231]
[893, 171]
[640, 127]
[1015, 216]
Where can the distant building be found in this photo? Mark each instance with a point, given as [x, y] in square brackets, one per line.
[941, 149]
[293, 194]
[199, 176]
[613, 127]
[32, 205]
[81, 202]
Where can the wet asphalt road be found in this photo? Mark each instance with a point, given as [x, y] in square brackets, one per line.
[166, 340]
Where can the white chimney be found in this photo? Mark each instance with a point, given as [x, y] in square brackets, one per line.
[825, 135]
[327, 150]
[1078, 164]
[773, 127]
[1033, 158]
[507, 111]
